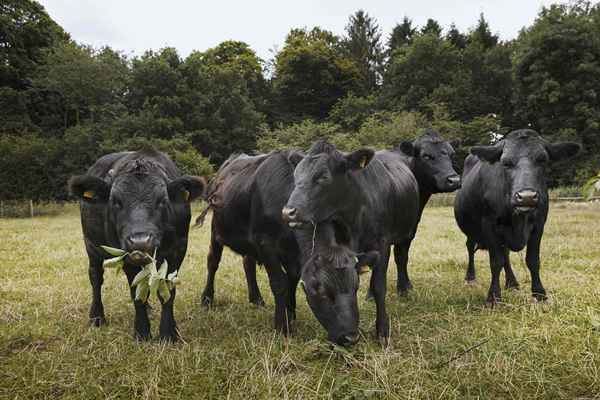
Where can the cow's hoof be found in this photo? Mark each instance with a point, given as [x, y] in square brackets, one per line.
[207, 301]
[258, 301]
[142, 336]
[286, 329]
[539, 298]
[512, 285]
[471, 282]
[403, 290]
[170, 336]
[492, 303]
[383, 330]
[98, 321]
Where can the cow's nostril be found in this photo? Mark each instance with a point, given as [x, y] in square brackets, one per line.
[289, 212]
[348, 340]
[140, 241]
[454, 179]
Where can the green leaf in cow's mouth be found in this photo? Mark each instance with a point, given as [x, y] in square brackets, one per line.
[153, 282]
[150, 281]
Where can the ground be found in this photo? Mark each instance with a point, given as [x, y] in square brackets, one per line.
[525, 350]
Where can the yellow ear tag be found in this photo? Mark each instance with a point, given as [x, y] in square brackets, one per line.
[364, 269]
[363, 162]
[88, 194]
[186, 195]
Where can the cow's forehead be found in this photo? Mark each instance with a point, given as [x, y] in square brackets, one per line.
[313, 164]
[139, 183]
[524, 146]
[434, 146]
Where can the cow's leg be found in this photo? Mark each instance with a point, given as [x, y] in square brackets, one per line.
[141, 324]
[401, 257]
[533, 263]
[280, 287]
[497, 262]
[254, 295]
[511, 279]
[471, 248]
[378, 286]
[293, 273]
[168, 327]
[212, 265]
[96, 274]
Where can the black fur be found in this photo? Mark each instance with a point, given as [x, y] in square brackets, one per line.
[125, 196]
[366, 207]
[503, 204]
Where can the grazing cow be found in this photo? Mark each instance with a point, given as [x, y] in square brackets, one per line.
[247, 196]
[503, 203]
[429, 158]
[330, 279]
[135, 201]
[371, 201]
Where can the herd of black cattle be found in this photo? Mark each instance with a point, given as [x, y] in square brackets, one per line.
[318, 219]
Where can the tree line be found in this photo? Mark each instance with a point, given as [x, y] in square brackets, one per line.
[63, 104]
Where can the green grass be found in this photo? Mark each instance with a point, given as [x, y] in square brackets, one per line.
[532, 350]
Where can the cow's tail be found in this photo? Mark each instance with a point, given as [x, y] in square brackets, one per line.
[200, 219]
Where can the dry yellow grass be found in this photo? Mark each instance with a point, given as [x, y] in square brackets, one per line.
[528, 351]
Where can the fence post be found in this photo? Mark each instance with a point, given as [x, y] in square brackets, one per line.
[31, 207]
[1, 208]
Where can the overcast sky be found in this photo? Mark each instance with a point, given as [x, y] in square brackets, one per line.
[137, 25]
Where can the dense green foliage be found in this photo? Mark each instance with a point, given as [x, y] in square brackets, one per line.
[63, 104]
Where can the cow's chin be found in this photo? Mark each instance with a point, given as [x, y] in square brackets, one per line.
[299, 224]
[523, 210]
[139, 258]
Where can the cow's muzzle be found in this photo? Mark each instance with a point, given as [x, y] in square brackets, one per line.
[290, 217]
[526, 200]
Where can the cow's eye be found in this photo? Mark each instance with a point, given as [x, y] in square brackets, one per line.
[117, 203]
[161, 203]
[321, 179]
[428, 157]
[508, 163]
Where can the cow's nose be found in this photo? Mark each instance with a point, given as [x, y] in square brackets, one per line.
[140, 241]
[454, 180]
[348, 339]
[527, 198]
[288, 213]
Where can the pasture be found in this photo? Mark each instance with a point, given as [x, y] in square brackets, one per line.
[444, 342]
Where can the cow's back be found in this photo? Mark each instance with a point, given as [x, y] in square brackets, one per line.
[392, 196]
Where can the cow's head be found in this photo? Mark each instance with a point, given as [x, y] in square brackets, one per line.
[322, 186]
[524, 155]
[139, 200]
[433, 162]
[330, 279]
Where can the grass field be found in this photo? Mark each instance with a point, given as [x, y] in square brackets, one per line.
[526, 350]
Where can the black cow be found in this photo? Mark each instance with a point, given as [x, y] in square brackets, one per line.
[372, 202]
[247, 196]
[429, 158]
[135, 201]
[503, 203]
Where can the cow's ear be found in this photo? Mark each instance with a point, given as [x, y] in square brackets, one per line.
[366, 261]
[455, 143]
[89, 188]
[295, 157]
[488, 153]
[186, 188]
[359, 159]
[408, 148]
[560, 151]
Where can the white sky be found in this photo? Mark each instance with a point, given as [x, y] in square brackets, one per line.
[134, 26]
